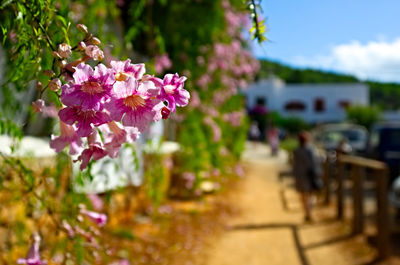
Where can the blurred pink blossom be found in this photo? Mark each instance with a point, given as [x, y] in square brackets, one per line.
[189, 177]
[96, 201]
[162, 62]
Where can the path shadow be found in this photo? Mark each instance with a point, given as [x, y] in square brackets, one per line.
[329, 241]
[292, 227]
[295, 233]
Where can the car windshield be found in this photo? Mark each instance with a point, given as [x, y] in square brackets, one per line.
[353, 135]
[338, 135]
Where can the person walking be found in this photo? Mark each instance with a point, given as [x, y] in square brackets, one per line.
[259, 114]
[306, 171]
[273, 140]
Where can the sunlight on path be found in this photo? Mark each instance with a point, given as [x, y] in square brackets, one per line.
[267, 232]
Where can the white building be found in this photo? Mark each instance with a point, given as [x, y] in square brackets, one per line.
[314, 103]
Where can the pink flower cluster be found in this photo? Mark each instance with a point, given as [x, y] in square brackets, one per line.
[234, 118]
[162, 62]
[110, 106]
[216, 130]
[189, 178]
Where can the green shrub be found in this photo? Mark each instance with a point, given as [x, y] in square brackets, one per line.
[363, 115]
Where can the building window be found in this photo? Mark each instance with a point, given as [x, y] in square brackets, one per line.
[295, 106]
[319, 105]
[344, 104]
[262, 101]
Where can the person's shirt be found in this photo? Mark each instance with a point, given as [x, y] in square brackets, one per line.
[304, 160]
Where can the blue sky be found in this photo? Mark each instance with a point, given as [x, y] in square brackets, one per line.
[360, 37]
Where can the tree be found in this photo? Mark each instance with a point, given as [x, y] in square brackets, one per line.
[363, 115]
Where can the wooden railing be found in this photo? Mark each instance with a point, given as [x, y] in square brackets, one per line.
[357, 167]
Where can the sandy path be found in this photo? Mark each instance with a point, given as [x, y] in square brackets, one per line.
[265, 232]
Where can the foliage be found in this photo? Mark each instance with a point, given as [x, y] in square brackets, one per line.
[384, 95]
[294, 75]
[292, 125]
[363, 115]
[289, 144]
[258, 29]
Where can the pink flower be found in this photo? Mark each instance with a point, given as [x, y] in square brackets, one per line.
[189, 177]
[95, 150]
[215, 172]
[96, 200]
[172, 91]
[98, 218]
[38, 105]
[68, 136]
[234, 118]
[203, 81]
[216, 130]
[114, 136]
[68, 228]
[200, 60]
[84, 119]
[135, 103]
[33, 257]
[90, 88]
[124, 69]
[195, 102]
[162, 62]
[49, 111]
[94, 52]
[64, 50]
[239, 171]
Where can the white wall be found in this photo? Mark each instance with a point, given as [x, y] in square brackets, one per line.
[278, 94]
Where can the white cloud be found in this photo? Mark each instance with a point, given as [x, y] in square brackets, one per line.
[375, 60]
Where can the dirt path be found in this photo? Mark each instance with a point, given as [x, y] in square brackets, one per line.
[268, 232]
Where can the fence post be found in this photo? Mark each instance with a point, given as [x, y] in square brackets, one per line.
[327, 180]
[382, 215]
[357, 191]
[339, 192]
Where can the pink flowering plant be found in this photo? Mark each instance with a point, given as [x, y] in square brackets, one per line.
[102, 108]
[99, 109]
[222, 69]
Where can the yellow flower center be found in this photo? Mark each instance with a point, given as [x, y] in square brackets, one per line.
[134, 101]
[91, 87]
[121, 76]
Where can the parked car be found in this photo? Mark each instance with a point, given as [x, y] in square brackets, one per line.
[384, 145]
[353, 138]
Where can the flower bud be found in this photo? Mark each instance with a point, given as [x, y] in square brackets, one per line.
[39, 86]
[38, 105]
[64, 50]
[82, 28]
[97, 218]
[81, 46]
[55, 84]
[95, 41]
[48, 73]
[62, 64]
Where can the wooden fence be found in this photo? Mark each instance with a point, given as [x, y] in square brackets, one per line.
[357, 167]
